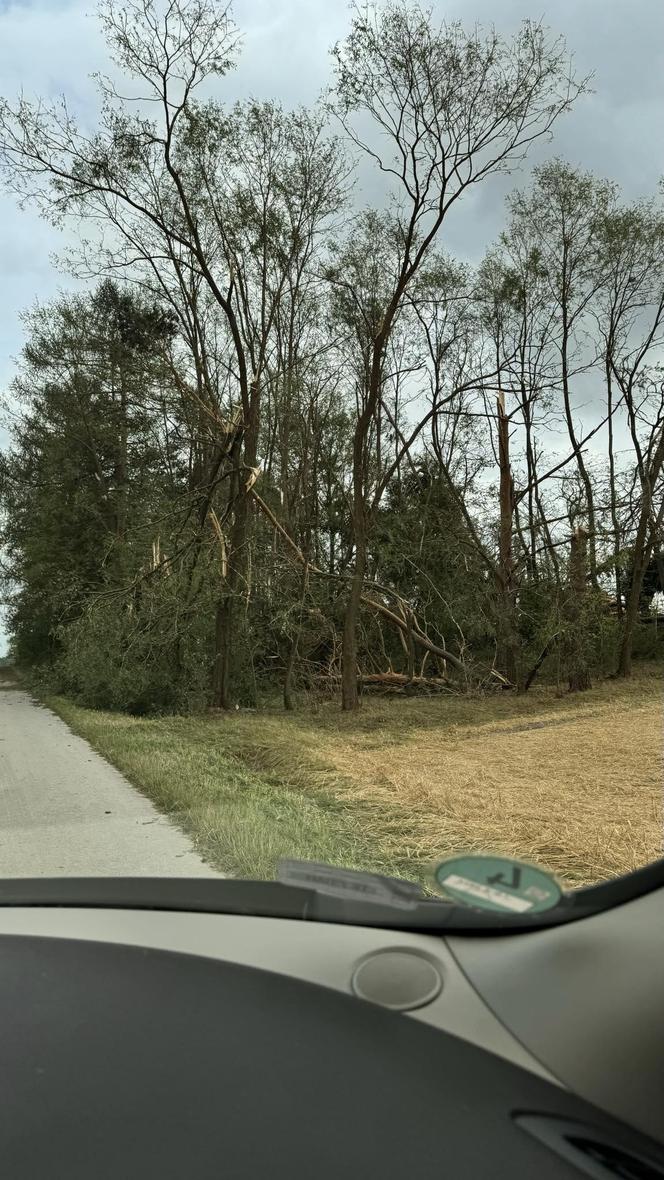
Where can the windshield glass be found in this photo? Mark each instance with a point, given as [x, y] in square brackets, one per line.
[332, 441]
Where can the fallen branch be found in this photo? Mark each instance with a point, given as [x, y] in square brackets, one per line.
[400, 682]
[539, 661]
[417, 635]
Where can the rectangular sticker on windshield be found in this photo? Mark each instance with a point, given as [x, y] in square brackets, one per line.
[350, 883]
[474, 889]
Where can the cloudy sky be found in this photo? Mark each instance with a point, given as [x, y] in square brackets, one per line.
[51, 46]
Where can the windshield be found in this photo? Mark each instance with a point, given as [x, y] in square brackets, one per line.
[332, 443]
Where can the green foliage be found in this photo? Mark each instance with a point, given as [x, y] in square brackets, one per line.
[85, 474]
[649, 641]
[142, 655]
[326, 354]
[423, 549]
[574, 636]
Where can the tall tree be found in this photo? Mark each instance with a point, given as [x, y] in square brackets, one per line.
[189, 191]
[630, 315]
[91, 465]
[443, 109]
[560, 218]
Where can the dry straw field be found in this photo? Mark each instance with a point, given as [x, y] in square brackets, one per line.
[573, 782]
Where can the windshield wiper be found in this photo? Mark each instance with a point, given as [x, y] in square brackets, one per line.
[314, 902]
[350, 884]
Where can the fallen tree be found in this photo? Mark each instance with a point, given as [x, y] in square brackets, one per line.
[406, 624]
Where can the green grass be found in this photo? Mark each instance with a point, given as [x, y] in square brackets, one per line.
[241, 821]
[571, 781]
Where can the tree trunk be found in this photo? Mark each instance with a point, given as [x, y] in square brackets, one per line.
[228, 631]
[643, 546]
[631, 614]
[583, 470]
[578, 671]
[410, 648]
[229, 628]
[122, 467]
[507, 640]
[222, 662]
[289, 704]
[350, 697]
[612, 492]
[659, 559]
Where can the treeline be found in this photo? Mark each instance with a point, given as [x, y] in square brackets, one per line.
[283, 441]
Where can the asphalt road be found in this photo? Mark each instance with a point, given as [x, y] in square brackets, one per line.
[65, 812]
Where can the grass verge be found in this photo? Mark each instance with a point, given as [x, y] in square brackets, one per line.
[242, 820]
[574, 783]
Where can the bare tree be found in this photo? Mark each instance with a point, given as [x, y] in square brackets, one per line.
[560, 218]
[444, 110]
[631, 322]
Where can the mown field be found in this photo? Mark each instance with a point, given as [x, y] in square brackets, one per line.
[573, 782]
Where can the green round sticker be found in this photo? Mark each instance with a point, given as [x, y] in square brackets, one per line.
[499, 884]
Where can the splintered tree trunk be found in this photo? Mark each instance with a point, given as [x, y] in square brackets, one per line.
[508, 645]
[578, 673]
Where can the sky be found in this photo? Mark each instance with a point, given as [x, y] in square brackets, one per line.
[52, 46]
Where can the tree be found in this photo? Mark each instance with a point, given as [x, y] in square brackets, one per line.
[91, 466]
[451, 108]
[560, 219]
[209, 204]
[631, 320]
[421, 546]
[513, 293]
[576, 637]
[268, 197]
[289, 442]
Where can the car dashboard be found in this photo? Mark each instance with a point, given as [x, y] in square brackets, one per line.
[147, 1041]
